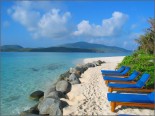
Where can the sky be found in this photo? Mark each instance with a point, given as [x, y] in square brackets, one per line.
[46, 23]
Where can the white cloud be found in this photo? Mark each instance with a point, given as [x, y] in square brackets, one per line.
[50, 24]
[109, 27]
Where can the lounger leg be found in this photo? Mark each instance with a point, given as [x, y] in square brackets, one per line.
[110, 89]
[113, 106]
[106, 82]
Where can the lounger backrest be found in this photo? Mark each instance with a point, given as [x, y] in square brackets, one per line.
[133, 75]
[121, 69]
[125, 71]
[151, 96]
[141, 82]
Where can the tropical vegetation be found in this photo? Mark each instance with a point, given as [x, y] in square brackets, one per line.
[143, 58]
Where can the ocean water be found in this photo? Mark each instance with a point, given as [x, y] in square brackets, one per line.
[25, 72]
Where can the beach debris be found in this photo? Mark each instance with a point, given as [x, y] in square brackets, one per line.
[50, 106]
[37, 95]
[74, 79]
[63, 86]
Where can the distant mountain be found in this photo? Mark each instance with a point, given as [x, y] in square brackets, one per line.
[60, 49]
[96, 47]
[71, 47]
[11, 48]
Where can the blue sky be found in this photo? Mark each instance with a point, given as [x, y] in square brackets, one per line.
[43, 24]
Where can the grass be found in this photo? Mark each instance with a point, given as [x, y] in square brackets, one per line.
[142, 62]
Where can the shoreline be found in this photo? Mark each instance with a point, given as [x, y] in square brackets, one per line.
[90, 97]
[81, 90]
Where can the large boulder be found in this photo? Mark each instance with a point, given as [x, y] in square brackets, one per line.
[49, 90]
[74, 79]
[63, 86]
[37, 95]
[56, 95]
[50, 106]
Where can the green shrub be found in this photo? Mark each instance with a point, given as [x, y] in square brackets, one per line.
[142, 62]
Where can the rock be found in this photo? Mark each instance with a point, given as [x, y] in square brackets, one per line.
[33, 110]
[37, 95]
[41, 99]
[73, 70]
[64, 76]
[50, 106]
[96, 63]
[64, 104]
[56, 95]
[84, 67]
[63, 86]
[78, 70]
[49, 90]
[88, 65]
[74, 79]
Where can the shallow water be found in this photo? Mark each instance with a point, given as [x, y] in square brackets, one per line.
[23, 73]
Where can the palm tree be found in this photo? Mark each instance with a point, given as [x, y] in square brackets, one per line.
[146, 42]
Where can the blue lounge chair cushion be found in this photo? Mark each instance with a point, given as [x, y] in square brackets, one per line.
[114, 71]
[130, 78]
[121, 85]
[140, 83]
[143, 80]
[151, 96]
[119, 74]
[114, 78]
[137, 98]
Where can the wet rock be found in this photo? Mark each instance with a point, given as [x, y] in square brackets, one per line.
[50, 106]
[74, 79]
[32, 111]
[37, 95]
[63, 86]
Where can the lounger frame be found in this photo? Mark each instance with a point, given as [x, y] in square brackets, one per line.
[115, 104]
[111, 89]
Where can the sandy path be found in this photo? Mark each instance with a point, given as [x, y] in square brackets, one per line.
[90, 97]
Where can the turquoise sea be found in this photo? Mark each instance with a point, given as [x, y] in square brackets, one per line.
[24, 72]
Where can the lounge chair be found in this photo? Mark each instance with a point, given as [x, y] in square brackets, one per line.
[123, 73]
[124, 80]
[131, 87]
[122, 68]
[139, 100]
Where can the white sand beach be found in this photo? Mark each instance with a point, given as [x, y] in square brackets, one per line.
[90, 97]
